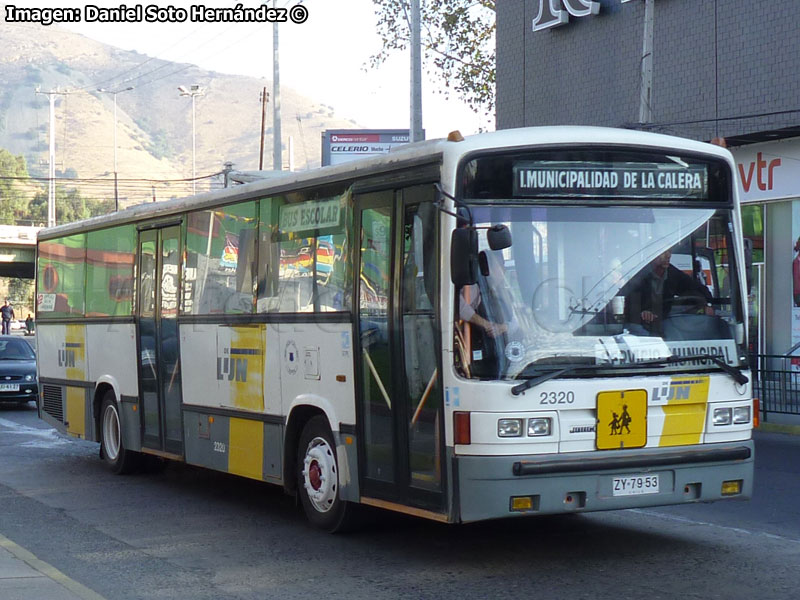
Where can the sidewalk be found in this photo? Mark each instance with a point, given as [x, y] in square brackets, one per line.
[25, 577]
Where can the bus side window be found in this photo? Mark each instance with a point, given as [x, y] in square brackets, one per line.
[303, 252]
[220, 251]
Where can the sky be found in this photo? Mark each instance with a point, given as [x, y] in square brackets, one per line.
[325, 58]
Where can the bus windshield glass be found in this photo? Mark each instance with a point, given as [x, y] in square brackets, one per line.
[605, 285]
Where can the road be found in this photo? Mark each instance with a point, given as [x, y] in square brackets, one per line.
[195, 534]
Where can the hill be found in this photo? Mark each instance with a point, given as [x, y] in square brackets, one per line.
[154, 123]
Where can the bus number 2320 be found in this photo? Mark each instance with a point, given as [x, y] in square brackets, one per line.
[556, 397]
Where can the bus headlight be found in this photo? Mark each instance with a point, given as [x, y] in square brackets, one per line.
[722, 416]
[539, 426]
[741, 415]
[509, 428]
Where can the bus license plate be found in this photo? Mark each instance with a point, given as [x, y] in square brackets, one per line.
[9, 387]
[635, 485]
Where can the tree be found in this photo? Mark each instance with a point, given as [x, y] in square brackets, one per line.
[70, 206]
[20, 291]
[457, 40]
[13, 203]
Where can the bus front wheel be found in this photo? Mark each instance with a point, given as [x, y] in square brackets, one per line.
[318, 478]
[117, 457]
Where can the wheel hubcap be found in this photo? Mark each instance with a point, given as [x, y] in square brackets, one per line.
[320, 478]
[111, 433]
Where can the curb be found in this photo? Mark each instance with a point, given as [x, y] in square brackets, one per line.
[778, 428]
[48, 571]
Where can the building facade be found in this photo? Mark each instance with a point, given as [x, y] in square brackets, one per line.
[725, 69]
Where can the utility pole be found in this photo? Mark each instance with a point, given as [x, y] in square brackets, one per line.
[264, 99]
[277, 160]
[416, 74]
[646, 93]
[114, 93]
[226, 173]
[193, 91]
[51, 195]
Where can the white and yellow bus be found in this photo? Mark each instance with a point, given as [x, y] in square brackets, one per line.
[525, 322]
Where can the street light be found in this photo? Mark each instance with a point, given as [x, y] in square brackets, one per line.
[193, 91]
[114, 94]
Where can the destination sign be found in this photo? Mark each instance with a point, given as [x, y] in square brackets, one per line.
[603, 180]
[310, 215]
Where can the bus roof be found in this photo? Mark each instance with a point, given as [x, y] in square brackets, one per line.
[408, 155]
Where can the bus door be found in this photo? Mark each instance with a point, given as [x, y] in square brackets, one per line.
[157, 331]
[400, 429]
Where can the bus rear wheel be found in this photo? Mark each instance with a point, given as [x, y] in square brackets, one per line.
[119, 459]
[318, 478]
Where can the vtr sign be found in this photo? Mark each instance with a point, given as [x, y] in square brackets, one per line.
[553, 13]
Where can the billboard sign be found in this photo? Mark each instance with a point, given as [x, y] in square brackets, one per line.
[343, 145]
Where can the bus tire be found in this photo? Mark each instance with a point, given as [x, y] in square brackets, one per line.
[318, 479]
[119, 459]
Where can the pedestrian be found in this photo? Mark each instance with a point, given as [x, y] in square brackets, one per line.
[7, 313]
[29, 324]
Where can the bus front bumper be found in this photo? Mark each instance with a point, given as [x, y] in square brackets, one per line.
[491, 487]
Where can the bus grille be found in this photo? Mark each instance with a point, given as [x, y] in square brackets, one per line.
[52, 402]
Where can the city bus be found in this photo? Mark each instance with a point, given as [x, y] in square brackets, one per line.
[524, 322]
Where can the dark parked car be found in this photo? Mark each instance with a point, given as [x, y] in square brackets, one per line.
[17, 371]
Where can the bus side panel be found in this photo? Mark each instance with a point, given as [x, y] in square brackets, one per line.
[227, 424]
[316, 369]
[111, 353]
[237, 445]
[223, 366]
[61, 360]
[317, 360]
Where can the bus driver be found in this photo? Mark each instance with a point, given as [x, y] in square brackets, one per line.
[651, 294]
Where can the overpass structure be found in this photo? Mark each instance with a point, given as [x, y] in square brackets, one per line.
[18, 251]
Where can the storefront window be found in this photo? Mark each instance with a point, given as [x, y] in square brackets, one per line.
[753, 232]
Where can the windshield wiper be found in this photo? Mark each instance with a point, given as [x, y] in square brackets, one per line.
[534, 381]
[734, 372]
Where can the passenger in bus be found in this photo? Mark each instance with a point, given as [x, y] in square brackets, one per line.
[488, 308]
[651, 296]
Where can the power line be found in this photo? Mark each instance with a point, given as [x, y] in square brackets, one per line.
[100, 179]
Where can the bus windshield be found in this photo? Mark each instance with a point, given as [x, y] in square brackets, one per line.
[601, 285]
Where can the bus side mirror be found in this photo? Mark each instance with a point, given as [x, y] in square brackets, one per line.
[463, 256]
[748, 262]
[499, 237]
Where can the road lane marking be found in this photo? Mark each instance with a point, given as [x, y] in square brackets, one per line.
[666, 517]
[48, 570]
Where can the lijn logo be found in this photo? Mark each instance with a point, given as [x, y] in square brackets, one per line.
[681, 390]
[66, 357]
[231, 368]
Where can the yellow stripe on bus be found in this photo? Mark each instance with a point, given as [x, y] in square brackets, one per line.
[75, 370]
[685, 412]
[246, 448]
[75, 352]
[76, 412]
[247, 364]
